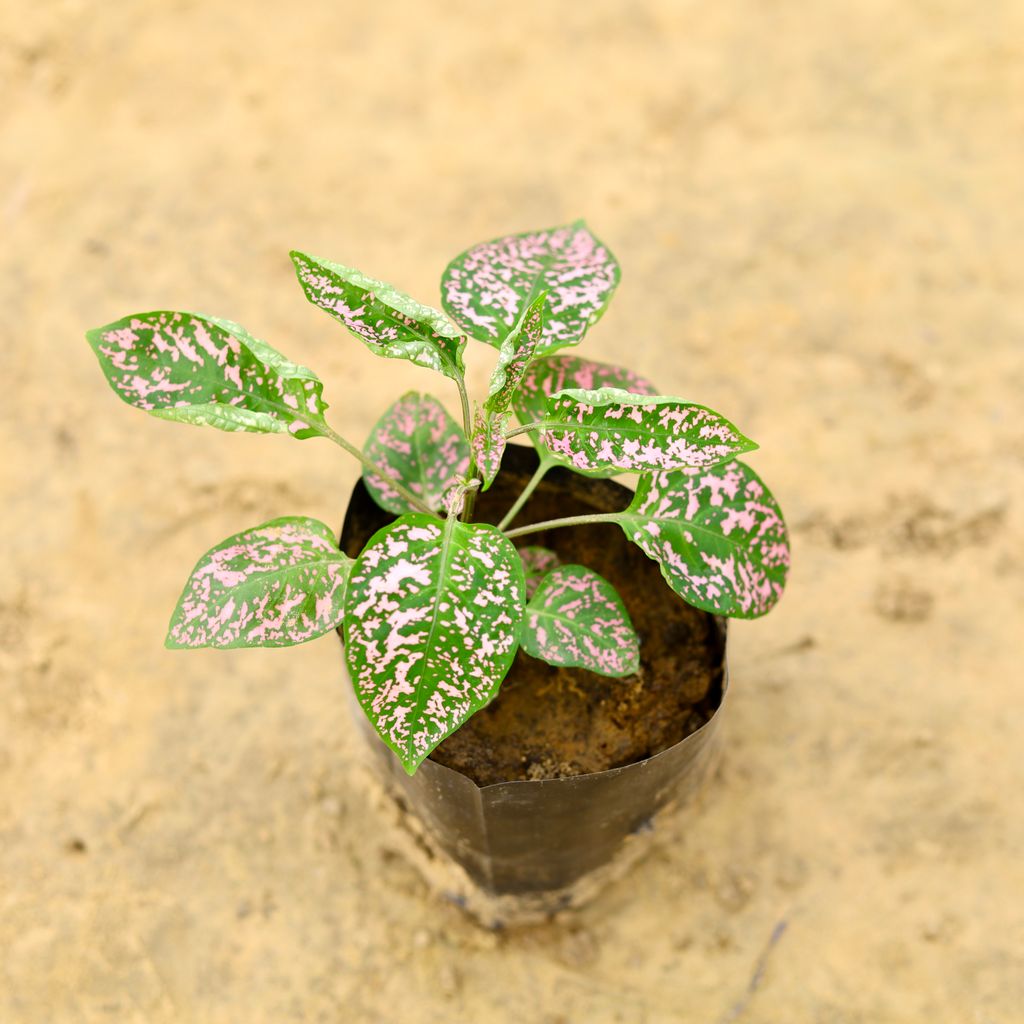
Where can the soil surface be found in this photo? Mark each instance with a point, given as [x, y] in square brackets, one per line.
[549, 722]
[819, 211]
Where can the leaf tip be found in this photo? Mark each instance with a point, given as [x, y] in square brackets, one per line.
[95, 335]
[301, 261]
[171, 644]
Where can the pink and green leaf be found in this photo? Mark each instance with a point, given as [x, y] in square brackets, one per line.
[544, 377]
[550, 374]
[612, 429]
[203, 370]
[433, 614]
[514, 356]
[389, 322]
[718, 535]
[537, 563]
[486, 289]
[577, 619]
[275, 585]
[488, 444]
[417, 443]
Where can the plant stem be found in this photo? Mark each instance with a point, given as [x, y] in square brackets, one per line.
[545, 465]
[467, 507]
[467, 426]
[551, 524]
[467, 419]
[527, 427]
[413, 500]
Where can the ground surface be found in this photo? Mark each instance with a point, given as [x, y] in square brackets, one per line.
[820, 212]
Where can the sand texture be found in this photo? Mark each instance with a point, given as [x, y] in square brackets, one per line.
[819, 210]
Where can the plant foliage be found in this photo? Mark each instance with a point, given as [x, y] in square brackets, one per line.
[436, 605]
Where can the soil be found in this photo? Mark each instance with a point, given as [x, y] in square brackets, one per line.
[549, 722]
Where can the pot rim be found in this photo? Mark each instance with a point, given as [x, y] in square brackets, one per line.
[622, 768]
[431, 765]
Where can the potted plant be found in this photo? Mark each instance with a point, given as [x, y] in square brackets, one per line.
[445, 575]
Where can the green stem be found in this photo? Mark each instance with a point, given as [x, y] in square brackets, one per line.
[545, 465]
[467, 419]
[467, 506]
[467, 426]
[551, 524]
[527, 427]
[413, 500]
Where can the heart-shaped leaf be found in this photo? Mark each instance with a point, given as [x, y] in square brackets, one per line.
[391, 323]
[488, 444]
[486, 288]
[418, 444]
[199, 369]
[537, 563]
[617, 430]
[432, 621]
[717, 534]
[514, 357]
[544, 377]
[274, 585]
[577, 619]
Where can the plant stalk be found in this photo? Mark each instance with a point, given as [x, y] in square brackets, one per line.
[467, 426]
[413, 500]
[467, 507]
[545, 465]
[527, 427]
[551, 524]
[467, 418]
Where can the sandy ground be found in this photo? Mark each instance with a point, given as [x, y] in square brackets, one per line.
[819, 208]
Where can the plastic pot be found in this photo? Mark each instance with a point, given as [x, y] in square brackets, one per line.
[525, 848]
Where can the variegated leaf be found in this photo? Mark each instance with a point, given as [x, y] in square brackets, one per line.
[486, 288]
[199, 369]
[488, 444]
[717, 534]
[391, 323]
[537, 563]
[418, 444]
[514, 357]
[432, 621]
[274, 585]
[577, 619]
[617, 430]
[546, 376]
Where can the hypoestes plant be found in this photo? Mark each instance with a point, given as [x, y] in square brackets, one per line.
[435, 607]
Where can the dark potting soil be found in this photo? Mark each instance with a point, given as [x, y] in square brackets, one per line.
[549, 722]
